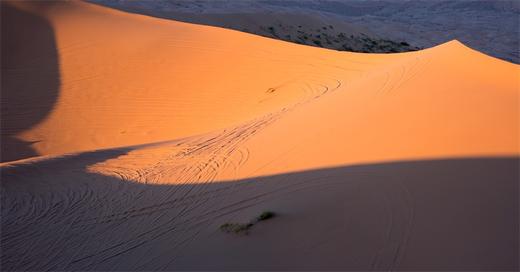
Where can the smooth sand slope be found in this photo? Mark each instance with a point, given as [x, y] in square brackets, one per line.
[155, 132]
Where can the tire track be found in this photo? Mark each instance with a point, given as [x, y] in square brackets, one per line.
[52, 215]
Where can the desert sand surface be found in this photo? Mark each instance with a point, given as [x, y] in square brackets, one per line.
[127, 141]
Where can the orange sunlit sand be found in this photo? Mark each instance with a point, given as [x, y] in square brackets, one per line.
[158, 124]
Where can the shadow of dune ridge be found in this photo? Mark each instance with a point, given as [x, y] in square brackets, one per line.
[30, 76]
[446, 214]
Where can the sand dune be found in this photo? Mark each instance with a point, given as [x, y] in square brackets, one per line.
[127, 140]
[188, 79]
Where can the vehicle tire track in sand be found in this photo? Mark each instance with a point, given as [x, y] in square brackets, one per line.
[171, 213]
[206, 170]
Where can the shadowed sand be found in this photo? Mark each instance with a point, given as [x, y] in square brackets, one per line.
[155, 132]
[455, 214]
[30, 77]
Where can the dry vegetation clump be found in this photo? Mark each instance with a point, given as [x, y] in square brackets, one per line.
[243, 228]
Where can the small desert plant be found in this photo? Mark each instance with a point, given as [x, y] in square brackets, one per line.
[236, 228]
[241, 228]
[265, 215]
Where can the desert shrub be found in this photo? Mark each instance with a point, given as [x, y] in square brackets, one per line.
[243, 228]
[347, 47]
[266, 215]
[237, 228]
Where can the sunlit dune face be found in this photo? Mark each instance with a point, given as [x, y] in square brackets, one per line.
[175, 80]
[398, 112]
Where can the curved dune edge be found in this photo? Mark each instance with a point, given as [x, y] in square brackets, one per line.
[153, 133]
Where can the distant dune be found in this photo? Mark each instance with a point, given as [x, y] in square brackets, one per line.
[292, 24]
[489, 26]
[127, 141]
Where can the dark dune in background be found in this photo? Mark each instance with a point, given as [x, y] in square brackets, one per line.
[274, 21]
[453, 214]
[492, 27]
[30, 77]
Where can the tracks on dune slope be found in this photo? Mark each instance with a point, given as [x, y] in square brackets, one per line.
[113, 211]
[59, 218]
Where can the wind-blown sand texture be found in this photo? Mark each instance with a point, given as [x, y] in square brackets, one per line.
[128, 140]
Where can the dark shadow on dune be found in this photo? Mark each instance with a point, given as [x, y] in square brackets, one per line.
[30, 77]
[452, 214]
